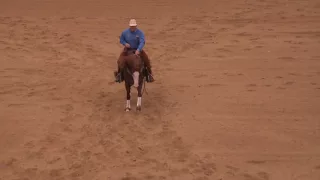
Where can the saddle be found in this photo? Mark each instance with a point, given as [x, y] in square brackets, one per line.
[129, 51]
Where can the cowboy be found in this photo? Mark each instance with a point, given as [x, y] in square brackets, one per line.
[133, 38]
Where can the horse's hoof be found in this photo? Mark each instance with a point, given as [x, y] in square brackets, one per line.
[127, 109]
[138, 108]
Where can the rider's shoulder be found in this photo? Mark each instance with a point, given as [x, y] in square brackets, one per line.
[140, 31]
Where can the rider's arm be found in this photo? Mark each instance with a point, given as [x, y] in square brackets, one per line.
[122, 40]
[141, 41]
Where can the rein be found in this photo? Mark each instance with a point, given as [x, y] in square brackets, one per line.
[144, 86]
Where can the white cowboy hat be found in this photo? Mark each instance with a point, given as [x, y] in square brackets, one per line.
[133, 22]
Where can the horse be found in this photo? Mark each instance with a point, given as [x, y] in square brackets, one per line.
[133, 74]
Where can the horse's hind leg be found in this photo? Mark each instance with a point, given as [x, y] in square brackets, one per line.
[128, 106]
[139, 97]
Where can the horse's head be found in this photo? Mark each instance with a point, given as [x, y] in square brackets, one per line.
[134, 65]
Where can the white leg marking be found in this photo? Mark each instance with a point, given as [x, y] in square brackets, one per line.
[139, 101]
[128, 104]
[128, 107]
[136, 79]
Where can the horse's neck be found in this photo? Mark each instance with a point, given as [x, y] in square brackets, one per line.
[133, 62]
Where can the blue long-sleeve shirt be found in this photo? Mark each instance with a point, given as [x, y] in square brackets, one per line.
[135, 39]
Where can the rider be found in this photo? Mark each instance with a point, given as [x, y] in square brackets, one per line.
[133, 38]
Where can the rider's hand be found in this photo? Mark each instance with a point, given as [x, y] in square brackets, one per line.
[127, 45]
[137, 52]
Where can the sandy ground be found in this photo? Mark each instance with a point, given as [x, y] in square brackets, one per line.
[236, 97]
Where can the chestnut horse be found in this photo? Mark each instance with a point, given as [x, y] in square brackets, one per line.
[133, 74]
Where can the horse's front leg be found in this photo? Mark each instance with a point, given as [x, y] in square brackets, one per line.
[139, 95]
[128, 106]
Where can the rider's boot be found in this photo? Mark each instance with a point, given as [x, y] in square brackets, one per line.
[149, 76]
[147, 64]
